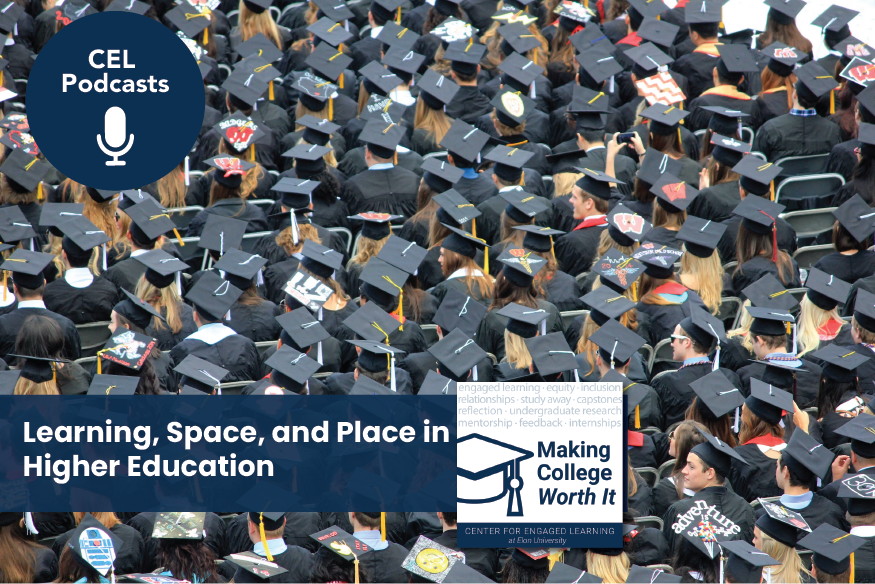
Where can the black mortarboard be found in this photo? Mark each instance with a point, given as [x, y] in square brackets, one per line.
[780, 523]
[725, 121]
[457, 354]
[658, 261]
[782, 58]
[84, 235]
[858, 490]
[128, 348]
[130, 197]
[328, 30]
[814, 81]
[340, 542]
[23, 170]
[700, 237]
[591, 37]
[703, 327]
[440, 175]
[512, 107]
[257, 6]
[9, 379]
[605, 303]
[464, 56]
[856, 216]
[519, 37]
[375, 357]
[647, 58]
[316, 130]
[659, 32]
[240, 267]
[36, 369]
[393, 34]
[336, 10]
[768, 321]
[94, 545]
[308, 162]
[436, 384]
[509, 161]
[518, 72]
[520, 266]
[673, 194]
[850, 48]
[382, 138]
[825, 290]
[403, 62]
[806, 457]
[768, 402]
[149, 220]
[459, 311]
[188, 19]
[703, 11]
[664, 118]
[454, 208]
[786, 8]
[179, 525]
[655, 164]
[464, 141]
[382, 283]
[53, 214]
[728, 151]
[648, 8]
[717, 454]
[113, 385]
[463, 573]
[161, 267]
[292, 364]
[832, 548]
[746, 562]
[861, 431]
[767, 292]
[864, 309]
[563, 573]
[596, 182]
[9, 15]
[644, 575]
[364, 385]
[758, 214]
[462, 242]
[261, 46]
[616, 342]
[523, 320]
[402, 254]
[222, 233]
[254, 567]
[599, 65]
[375, 225]
[383, 109]
[321, 260]
[328, 62]
[551, 354]
[136, 310]
[436, 90]
[735, 60]
[617, 271]
[201, 374]
[213, 296]
[717, 395]
[238, 131]
[835, 18]
[379, 80]
[538, 238]
[372, 323]
[302, 328]
[27, 266]
[246, 86]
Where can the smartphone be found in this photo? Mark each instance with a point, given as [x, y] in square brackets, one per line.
[625, 137]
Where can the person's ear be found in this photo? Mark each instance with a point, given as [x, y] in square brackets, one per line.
[740, 81]
[355, 374]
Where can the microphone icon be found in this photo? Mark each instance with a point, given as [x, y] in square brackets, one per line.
[115, 130]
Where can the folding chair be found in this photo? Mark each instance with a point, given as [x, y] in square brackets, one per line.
[807, 256]
[809, 223]
[93, 337]
[182, 216]
[812, 190]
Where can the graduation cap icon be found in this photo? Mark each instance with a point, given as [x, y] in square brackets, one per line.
[480, 457]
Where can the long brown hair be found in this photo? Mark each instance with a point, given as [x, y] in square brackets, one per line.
[669, 144]
[167, 298]
[219, 192]
[108, 518]
[434, 18]
[455, 261]
[17, 554]
[12, 197]
[668, 219]
[425, 205]
[686, 436]
[786, 33]
[752, 426]
[251, 23]
[750, 245]
[649, 284]
[171, 187]
[367, 249]
[719, 428]
[506, 292]
[772, 80]
[434, 121]
[188, 559]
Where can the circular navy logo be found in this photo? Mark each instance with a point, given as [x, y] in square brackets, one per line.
[115, 100]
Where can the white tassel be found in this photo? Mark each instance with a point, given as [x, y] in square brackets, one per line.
[544, 327]
[260, 280]
[31, 244]
[320, 314]
[29, 524]
[319, 353]
[532, 90]
[179, 283]
[736, 423]
[781, 423]
[794, 338]
[614, 348]
[187, 175]
[392, 371]
[611, 85]
[104, 257]
[576, 376]
[228, 315]
[474, 373]
[294, 228]
[721, 566]
[219, 387]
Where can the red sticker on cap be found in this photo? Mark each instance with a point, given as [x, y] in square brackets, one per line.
[863, 73]
[629, 223]
[239, 135]
[375, 216]
[675, 191]
[785, 53]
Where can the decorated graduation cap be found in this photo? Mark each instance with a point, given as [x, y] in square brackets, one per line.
[95, 546]
[658, 261]
[222, 233]
[213, 296]
[458, 311]
[26, 267]
[857, 217]
[858, 488]
[768, 402]
[647, 59]
[780, 523]
[404, 255]
[229, 170]
[179, 525]
[841, 363]
[291, 369]
[813, 82]
[596, 183]
[149, 221]
[512, 108]
[403, 62]
[201, 374]
[464, 141]
[519, 73]
[538, 238]
[655, 164]
[520, 266]
[832, 548]
[523, 321]
[861, 431]
[126, 348]
[745, 562]
[768, 292]
[725, 121]
[616, 343]
[727, 150]
[464, 56]
[24, 172]
[240, 133]
[572, 14]
[552, 355]
[162, 268]
[717, 396]
[673, 194]
[700, 236]
[806, 457]
[136, 310]
[383, 283]
[605, 303]
[430, 560]
[718, 454]
[320, 260]
[782, 58]
[480, 457]
[617, 271]
[457, 355]
[664, 119]
[452, 29]
[113, 385]
[252, 567]
[337, 541]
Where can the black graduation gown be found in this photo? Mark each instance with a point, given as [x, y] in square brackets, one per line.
[125, 274]
[819, 511]
[726, 246]
[757, 267]
[256, 322]
[12, 322]
[563, 292]
[757, 478]
[490, 335]
[791, 135]
[663, 318]
[254, 216]
[296, 533]
[440, 291]
[296, 560]
[717, 202]
[645, 455]
[675, 393]
[476, 190]
[849, 268]
[664, 496]
[468, 104]
[365, 50]
[145, 523]
[385, 565]
[415, 231]
[734, 355]
[128, 559]
[419, 364]
[575, 251]
[772, 104]
[82, 305]
[842, 159]
[731, 516]
[166, 338]
[353, 280]
[276, 277]
[662, 236]
[393, 190]
[341, 383]
[423, 143]
[74, 380]
[54, 523]
[698, 68]
[506, 372]
[865, 372]
[235, 353]
[428, 306]
[725, 96]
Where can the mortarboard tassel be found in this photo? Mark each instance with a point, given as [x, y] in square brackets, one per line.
[331, 109]
[104, 257]
[178, 237]
[398, 22]
[736, 423]
[270, 95]
[319, 353]
[680, 142]
[851, 579]
[637, 413]
[614, 348]
[474, 227]
[206, 36]
[179, 283]
[187, 173]
[400, 310]
[252, 152]
[29, 524]
[383, 526]
[1, 77]
[772, 191]
[832, 101]
[356, 562]
[39, 192]
[392, 369]
[5, 290]
[264, 537]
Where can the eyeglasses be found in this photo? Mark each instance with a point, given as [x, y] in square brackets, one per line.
[678, 337]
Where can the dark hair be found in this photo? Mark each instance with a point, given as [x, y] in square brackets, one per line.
[772, 341]
[718, 427]
[41, 336]
[786, 33]
[689, 557]
[219, 192]
[697, 346]
[142, 244]
[148, 384]
[328, 189]
[706, 467]
[380, 377]
[706, 30]
[842, 239]
[750, 245]
[188, 559]
[413, 297]
[30, 292]
[506, 292]
[72, 570]
[465, 78]
[513, 572]
[17, 554]
[864, 174]
[329, 567]
[597, 136]
[804, 101]
[830, 394]
[666, 144]
[434, 18]
[846, 106]
[207, 318]
[642, 192]
[450, 517]
[795, 481]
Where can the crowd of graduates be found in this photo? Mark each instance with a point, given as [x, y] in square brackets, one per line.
[438, 184]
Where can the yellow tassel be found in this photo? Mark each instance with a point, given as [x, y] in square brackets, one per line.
[535, 55]
[474, 227]
[383, 526]
[4, 285]
[637, 417]
[264, 537]
[270, 91]
[772, 190]
[486, 260]
[789, 328]
[1, 77]
[206, 36]
[832, 101]
[554, 557]
[99, 359]
[552, 251]
[252, 152]
[330, 109]
[851, 579]
[398, 21]
[400, 301]
[395, 158]
[523, 178]
[680, 143]
[178, 237]
[55, 376]
[39, 192]
[356, 562]
[340, 81]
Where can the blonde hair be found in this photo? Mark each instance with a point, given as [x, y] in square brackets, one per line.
[27, 387]
[516, 351]
[454, 261]
[667, 219]
[108, 518]
[101, 214]
[364, 96]
[791, 568]
[301, 110]
[743, 330]
[708, 273]
[171, 188]
[159, 298]
[434, 121]
[252, 176]
[811, 318]
[611, 569]
[607, 242]
[505, 130]
[563, 182]
[251, 23]
[305, 231]
[329, 157]
[584, 345]
[367, 248]
[10, 196]
[54, 247]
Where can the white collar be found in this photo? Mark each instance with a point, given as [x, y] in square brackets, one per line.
[863, 531]
[276, 547]
[31, 304]
[402, 96]
[211, 333]
[373, 538]
[687, 492]
[511, 188]
[139, 252]
[595, 148]
[763, 448]
[376, 31]
[382, 166]
[462, 272]
[79, 277]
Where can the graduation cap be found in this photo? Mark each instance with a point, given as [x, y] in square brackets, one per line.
[261, 46]
[858, 489]
[856, 216]
[340, 542]
[700, 237]
[717, 454]
[596, 183]
[768, 402]
[15, 139]
[768, 292]
[377, 357]
[26, 266]
[806, 457]
[364, 385]
[758, 214]
[728, 151]
[403, 62]
[329, 30]
[430, 560]
[257, 6]
[402, 254]
[453, 30]
[245, 86]
[457, 354]
[464, 141]
[858, 71]
[317, 131]
[329, 63]
[784, 11]
[378, 79]
[9, 379]
[436, 384]
[746, 562]
[113, 385]
[825, 290]
[463, 243]
[703, 11]
[832, 548]
[302, 328]
[659, 32]
[563, 573]
[521, 206]
[861, 431]
[308, 161]
[213, 296]
[717, 395]
[370, 322]
[735, 60]
[509, 14]
[644, 575]
[395, 35]
[188, 19]
[768, 321]
[480, 457]
[512, 108]
[23, 171]
[37, 369]
[179, 525]
[254, 565]
[294, 367]
[591, 37]
[616, 343]
[813, 82]
[462, 573]
[162, 268]
[383, 283]
[83, 234]
[647, 8]
[464, 56]
[704, 328]
[538, 238]
[575, 12]
[149, 221]
[599, 65]
[240, 267]
[454, 208]
[725, 121]
[509, 161]
[307, 290]
[459, 311]
[664, 118]
[222, 233]
[201, 374]
[375, 226]
[551, 354]
[617, 271]
[518, 38]
[436, 90]
[94, 545]
[520, 266]
[53, 214]
[648, 58]
[523, 321]
[73, 10]
[9, 15]
[605, 303]
[322, 261]
[864, 309]
[127, 348]
[780, 523]
[655, 164]
[440, 175]
[519, 73]
[835, 19]
[136, 310]
[673, 194]
[382, 138]
[782, 58]
[239, 132]
[658, 261]
[841, 363]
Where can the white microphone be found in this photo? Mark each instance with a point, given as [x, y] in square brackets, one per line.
[115, 130]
